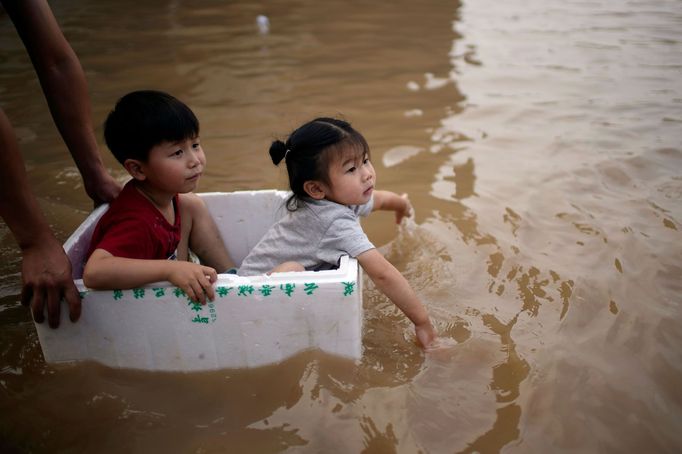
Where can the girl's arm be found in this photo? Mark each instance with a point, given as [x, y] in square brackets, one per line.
[390, 201]
[389, 280]
[104, 271]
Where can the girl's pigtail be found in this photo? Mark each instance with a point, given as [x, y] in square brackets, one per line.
[278, 151]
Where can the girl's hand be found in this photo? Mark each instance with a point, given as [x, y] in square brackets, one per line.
[403, 211]
[426, 335]
[196, 280]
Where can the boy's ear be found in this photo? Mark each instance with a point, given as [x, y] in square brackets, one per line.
[315, 189]
[135, 169]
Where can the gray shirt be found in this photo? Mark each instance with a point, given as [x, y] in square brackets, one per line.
[316, 235]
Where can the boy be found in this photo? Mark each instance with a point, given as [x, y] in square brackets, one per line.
[146, 234]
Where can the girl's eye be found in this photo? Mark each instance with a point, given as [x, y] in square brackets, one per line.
[366, 161]
[351, 170]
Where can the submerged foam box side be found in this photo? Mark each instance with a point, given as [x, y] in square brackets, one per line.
[252, 322]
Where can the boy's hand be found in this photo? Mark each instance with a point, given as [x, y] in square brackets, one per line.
[196, 280]
[404, 211]
[426, 335]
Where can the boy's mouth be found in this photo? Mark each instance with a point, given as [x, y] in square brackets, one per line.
[368, 191]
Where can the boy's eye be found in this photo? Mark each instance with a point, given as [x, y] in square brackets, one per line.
[196, 145]
[177, 153]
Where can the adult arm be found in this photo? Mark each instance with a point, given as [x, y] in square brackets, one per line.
[45, 269]
[63, 81]
[389, 280]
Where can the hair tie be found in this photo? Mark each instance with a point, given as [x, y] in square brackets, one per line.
[286, 153]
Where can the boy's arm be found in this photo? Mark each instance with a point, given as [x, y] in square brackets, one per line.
[390, 201]
[105, 271]
[389, 280]
[204, 238]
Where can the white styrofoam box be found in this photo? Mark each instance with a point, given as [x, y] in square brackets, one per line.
[253, 321]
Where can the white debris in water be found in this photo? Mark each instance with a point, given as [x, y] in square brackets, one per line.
[413, 86]
[433, 82]
[263, 24]
[398, 154]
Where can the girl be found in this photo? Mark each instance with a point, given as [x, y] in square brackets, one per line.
[332, 180]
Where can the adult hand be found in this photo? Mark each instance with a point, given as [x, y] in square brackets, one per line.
[104, 190]
[46, 279]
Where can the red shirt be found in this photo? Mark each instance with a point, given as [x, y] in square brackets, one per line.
[134, 228]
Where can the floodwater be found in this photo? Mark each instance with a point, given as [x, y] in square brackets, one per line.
[541, 145]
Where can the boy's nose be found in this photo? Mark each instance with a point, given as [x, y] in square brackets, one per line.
[194, 161]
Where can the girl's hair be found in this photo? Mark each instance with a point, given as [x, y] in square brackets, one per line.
[143, 119]
[310, 149]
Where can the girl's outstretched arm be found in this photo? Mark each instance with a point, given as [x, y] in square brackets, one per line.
[389, 280]
[390, 201]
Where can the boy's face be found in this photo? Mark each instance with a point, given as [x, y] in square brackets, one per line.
[174, 167]
[352, 179]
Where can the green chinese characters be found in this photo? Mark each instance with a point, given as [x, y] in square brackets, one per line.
[266, 290]
[310, 288]
[348, 288]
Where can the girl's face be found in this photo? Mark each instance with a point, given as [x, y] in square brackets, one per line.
[352, 179]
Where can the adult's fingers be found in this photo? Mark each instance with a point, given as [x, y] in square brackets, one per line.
[26, 294]
[34, 298]
[73, 299]
[53, 299]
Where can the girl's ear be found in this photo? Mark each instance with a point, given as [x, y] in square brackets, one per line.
[135, 169]
[315, 189]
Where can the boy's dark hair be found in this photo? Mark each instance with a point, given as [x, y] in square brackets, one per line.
[142, 119]
[309, 151]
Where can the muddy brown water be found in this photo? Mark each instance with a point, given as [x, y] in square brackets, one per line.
[540, 143]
